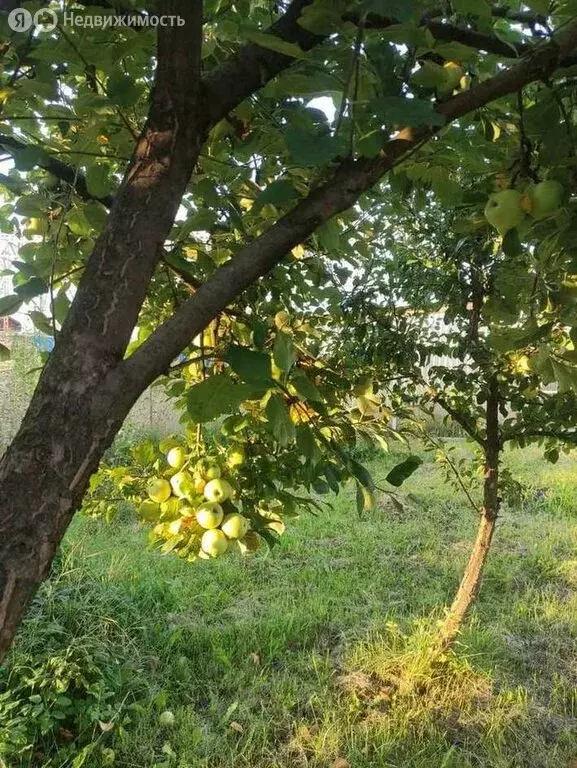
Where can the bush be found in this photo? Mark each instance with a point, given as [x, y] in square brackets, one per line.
[70, 686]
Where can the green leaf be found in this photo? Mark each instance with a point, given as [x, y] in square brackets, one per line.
[78, 223]
[214, 397]
[252, 367]
[41, 322]
[4, 353]
[362, 474]
[402, 471]
[283, 352]
[539, 6]
[332, 478]
[122, 90]
[309, 149]
[280, 421]
[365, 499]
[472, 8]
[304, 387]
[410, 112]
[279, 192]
[10, 304]
[320, 18]
[306, 443]
[97, 215]
[329, 236]
[401, 10]
[32, 288]
[274, 43]
[512, 244]
[98, 180]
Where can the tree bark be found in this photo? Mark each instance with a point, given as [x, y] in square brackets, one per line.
[471, 581]
[87, 388]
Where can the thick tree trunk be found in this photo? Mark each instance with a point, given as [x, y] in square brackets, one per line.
[82, 397]
[471, 580]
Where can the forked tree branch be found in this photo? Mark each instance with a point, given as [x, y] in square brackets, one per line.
[349, 182]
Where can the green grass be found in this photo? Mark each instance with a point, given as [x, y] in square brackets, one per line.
[318, 649]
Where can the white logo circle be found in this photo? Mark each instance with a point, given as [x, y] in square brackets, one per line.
[46, 19]
[19, 20]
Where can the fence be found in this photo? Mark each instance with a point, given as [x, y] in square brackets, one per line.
[18, 376]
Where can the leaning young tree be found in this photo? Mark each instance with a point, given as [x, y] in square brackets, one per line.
[459, 322]
[191, 161]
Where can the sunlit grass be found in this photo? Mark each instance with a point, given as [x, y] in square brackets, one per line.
[320, 650]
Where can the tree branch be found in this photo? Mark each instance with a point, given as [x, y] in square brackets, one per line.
[451, 33]
[62, 171]
[253, 66]
[561, 435]
[351, 179]
[461, 420]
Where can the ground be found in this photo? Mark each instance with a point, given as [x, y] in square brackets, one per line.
[315, 654]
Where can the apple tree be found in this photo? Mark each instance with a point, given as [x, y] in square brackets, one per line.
[463, 321]
[173, 180]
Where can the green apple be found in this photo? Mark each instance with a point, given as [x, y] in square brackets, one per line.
[504, 210]
[149, 510]
[235, 526]
[159, 490]
[182, 484]
[209, 514]
[453, 74]
[218, 490]
[36, 226]
[214, 542]
[176, 457]
[235, 457]
[429, 75]
[212, 472]
[546, 198]
[166, 718]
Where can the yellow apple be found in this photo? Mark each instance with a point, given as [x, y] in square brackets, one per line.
[159, 490]
[214, 542]
[218, 490]
[176, 457]
[209, 514]
[235, 526]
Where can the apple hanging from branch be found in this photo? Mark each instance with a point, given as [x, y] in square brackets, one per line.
[504, 210]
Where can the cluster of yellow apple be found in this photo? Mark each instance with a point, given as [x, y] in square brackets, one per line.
[192, 506]
[507, 208]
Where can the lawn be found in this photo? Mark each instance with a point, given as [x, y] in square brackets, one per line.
[315, 654]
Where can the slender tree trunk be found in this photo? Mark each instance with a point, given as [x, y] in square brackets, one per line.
[471, 580]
